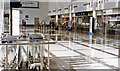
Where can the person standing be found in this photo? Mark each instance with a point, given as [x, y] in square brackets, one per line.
[23, 25]
[23, 28]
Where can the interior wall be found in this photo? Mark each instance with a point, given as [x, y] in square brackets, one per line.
[15, 18]
[41, 13]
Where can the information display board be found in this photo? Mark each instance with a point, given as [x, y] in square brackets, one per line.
[30, 4]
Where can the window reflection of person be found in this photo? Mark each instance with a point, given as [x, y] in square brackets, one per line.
[53, 23]
[50, 24]
[23, 27]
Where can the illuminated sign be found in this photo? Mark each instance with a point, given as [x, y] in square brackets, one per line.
[81, 13]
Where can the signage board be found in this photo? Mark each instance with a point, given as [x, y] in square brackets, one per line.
[81, 13]
[30, 4]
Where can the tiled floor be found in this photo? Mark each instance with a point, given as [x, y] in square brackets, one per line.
[84, 58]
[79, 53]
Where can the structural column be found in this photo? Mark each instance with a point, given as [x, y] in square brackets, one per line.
[56, 17]
[56, 23]
[93, 5]
[70, 23]
[95, 19]
[70, 16]
[56, 11]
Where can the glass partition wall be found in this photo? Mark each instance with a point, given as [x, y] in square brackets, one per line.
[1, 17]
[6, 16]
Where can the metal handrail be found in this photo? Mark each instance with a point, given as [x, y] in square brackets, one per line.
[24, 39]
[37, 43]
[29, 43]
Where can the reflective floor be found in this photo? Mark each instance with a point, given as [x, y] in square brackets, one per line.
[79, 50]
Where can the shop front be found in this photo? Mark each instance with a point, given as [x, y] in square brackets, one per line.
[65, 21]
[109, 20]
[52, 22]
[83, 21]
[114, 25]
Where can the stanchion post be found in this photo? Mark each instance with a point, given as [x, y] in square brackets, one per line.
[42, 57]
[6, 56]
[48, 56]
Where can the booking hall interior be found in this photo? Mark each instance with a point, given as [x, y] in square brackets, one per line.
[59, 35]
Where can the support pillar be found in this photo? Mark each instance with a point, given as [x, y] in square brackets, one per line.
[95, 19]
[70, 23]
[56, 19]
[56, 25]
[94, 14]
[70, 17]
[6, 57]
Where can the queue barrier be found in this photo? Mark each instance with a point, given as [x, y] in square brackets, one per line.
[40, 46]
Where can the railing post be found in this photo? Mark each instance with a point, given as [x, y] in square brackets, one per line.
[48, 56]
[42, 57]
[19, 55]
[6, 56]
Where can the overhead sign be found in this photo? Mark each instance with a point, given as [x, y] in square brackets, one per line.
[81, 13]
[15, 4]
[30, 4]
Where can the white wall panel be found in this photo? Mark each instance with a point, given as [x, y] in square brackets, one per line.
[15, 22]
[41, 13]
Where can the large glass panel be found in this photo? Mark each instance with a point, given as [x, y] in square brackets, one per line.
[1, 17]
[6, 16]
